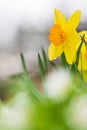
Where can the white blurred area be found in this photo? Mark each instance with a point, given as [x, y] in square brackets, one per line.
[24, 26]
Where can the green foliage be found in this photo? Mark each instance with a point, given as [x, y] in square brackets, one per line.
[45, 60]
[48, 116]
[41, 68]
[78, 51]
[43, 112]
[23, 63]
[33, 91]
[63, 61]
[54, 65]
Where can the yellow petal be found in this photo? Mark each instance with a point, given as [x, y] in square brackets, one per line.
[85, 75]
[70, 54]
[73, 36]
[59, 18]
[74, 20]
[83, 58]
[83, 33]
[54, 51]
[70, 46]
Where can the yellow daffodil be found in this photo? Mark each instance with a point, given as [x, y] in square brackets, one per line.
[83, 56]
[64, 37]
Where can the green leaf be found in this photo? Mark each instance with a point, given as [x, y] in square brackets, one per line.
[63, 60]
[23, 63]
[77, 73]
[74, 67]
[41, 68]
[33, 91]
[45, 60]
[54, 65]
[78, 52]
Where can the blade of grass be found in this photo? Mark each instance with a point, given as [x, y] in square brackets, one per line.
[23, 63]
[74, 66]
[41, 68]
[54, 65]
[81, 67]
[33, 91]
[79, 49]
[63, 61]
[45, 60]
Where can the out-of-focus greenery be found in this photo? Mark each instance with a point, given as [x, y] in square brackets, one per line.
[24, 107]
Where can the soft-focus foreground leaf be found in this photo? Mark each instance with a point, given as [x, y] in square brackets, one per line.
[33, 91]
[45, 60]
[41, 68]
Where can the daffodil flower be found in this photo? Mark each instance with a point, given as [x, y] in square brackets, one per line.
[64, 37]
[83, 56]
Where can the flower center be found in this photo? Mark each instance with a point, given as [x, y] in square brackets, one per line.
[57, 35]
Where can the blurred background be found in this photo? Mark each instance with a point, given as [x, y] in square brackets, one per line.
[24, 27]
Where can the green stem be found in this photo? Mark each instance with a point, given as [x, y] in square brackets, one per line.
[79, 49]
[23, 63]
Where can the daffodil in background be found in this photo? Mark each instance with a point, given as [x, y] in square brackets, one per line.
[83, 56]
[63, 36]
